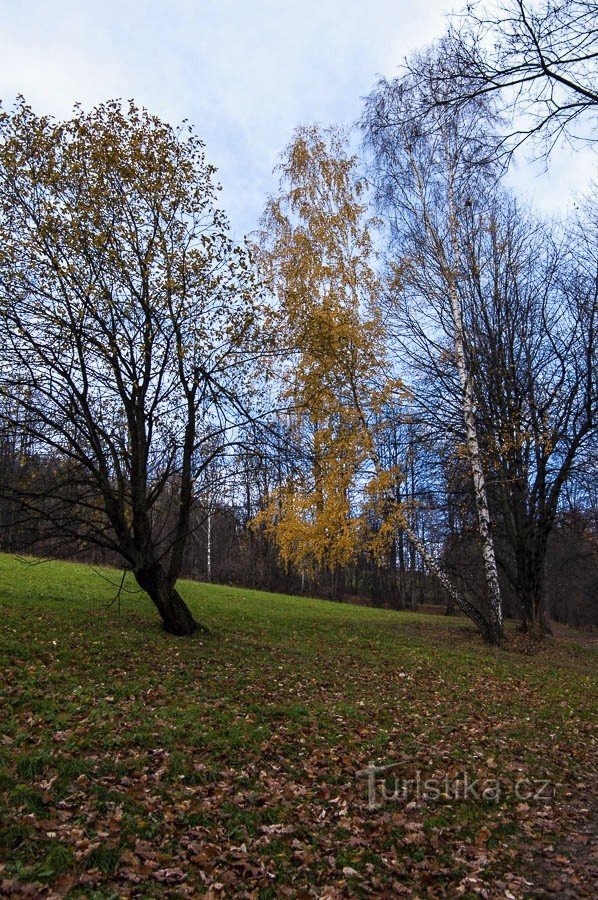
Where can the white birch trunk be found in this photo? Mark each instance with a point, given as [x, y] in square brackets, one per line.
[477, 469]
[436, 569]
[473, 445]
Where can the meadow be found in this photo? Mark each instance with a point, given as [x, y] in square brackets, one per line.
[227, 764]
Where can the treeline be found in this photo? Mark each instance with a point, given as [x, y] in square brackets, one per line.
[225, 547]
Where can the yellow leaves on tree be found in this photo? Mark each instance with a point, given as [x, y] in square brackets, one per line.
[317, 256]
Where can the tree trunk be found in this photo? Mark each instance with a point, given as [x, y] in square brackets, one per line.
[486, 627]
[532, 599]
[337, 586]
[468, 405]
[412, 578]
[402, 585]
[477, 470]
[174, 612]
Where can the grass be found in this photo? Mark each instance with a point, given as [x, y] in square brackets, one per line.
[137, 764]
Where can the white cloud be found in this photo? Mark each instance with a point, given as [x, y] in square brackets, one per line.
[244, 73]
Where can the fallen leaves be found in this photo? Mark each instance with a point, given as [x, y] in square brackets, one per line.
[217, 774]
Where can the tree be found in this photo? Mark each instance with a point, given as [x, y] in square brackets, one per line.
[530, 307]
[316, 254]
[426, 182]
[522, 382]
[537, 62]
[127, 315]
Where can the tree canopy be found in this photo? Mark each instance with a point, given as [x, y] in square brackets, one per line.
[537, 62]
[127, 317]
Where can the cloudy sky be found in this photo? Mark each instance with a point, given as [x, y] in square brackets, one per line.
[244, 72]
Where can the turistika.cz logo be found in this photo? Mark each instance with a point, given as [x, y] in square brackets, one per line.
[384, 788]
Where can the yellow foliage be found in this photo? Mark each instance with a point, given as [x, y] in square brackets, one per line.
[316, 255]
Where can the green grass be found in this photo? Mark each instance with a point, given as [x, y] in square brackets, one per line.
[133, 763]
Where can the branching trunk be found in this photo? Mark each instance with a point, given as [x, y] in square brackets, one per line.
[486, 627]
[530, 587]
[174, 612]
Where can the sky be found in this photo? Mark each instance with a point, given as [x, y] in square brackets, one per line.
[245, 73]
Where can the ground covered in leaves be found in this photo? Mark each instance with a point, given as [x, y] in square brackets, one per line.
[134, 764]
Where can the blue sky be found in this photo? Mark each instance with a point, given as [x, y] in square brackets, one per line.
[244, 72]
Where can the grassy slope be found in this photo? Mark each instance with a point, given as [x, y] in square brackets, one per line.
[134, 763]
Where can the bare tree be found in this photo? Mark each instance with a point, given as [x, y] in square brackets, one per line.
[127, 315]
[537, 61]
[425, 179]
[498, 318]
[530, 307]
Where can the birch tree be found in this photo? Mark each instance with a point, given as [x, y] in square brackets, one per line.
[536, 61]
[317, 254]
[426, 182]
[317, 257]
